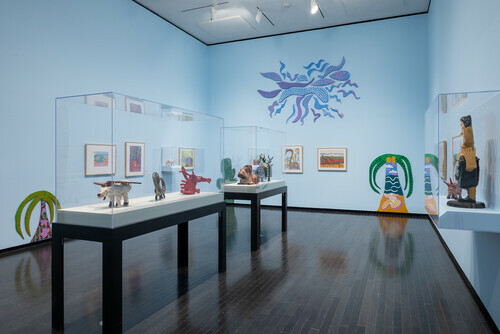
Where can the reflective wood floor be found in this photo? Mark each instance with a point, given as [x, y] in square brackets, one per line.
[330, 273]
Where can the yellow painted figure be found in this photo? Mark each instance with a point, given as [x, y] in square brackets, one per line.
[467, 171]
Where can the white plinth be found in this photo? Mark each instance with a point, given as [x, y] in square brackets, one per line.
[253, 188]
[480, 220]
[139, 209]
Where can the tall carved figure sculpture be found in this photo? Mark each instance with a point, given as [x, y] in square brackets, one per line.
[467, 169]
[393, 199]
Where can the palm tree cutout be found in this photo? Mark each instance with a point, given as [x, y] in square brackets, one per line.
[44, 230]
[430, 201]
[393, 199]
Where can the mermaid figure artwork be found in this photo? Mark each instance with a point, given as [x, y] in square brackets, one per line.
[188, 186]
[314, 93]
[430, 202]
[393, 199]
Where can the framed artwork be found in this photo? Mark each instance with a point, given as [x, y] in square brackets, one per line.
[442, 159]
[100, 159]
[332, 159]
[186, 158]
[100, 100]
[443, 103]
[134, 105]
[134, 159]
[458, 98]
[456, 147]
[292, 159]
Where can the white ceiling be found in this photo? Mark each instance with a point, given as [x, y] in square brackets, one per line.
[235, 19]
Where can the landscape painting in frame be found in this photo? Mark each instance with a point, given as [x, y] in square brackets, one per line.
[442, 159]
[100, 159]
[186, 158]
[456, 147]
[292, 159]
[332, 159]
[134, 159]
[134, 105]
[100, 100]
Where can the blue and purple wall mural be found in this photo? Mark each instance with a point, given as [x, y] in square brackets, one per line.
[319, 91]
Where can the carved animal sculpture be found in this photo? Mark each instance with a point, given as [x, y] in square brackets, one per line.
[160, 186]
[115, 190]
[261, 173]
[188, 186]
[246, 176]
[453, 190]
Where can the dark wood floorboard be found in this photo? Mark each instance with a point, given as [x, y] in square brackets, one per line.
[330, 273]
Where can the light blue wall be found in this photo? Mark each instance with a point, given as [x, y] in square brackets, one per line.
[54, 48]
[388, 60]
[464, 53]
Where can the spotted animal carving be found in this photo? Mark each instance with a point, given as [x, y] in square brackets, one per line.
[246, 176]
[454, 191]
[115, 190]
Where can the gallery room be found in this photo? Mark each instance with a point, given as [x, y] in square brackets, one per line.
[249, 166]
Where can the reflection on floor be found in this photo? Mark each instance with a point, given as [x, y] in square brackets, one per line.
[329, 272]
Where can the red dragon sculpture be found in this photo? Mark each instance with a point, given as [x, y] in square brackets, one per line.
[188, 186]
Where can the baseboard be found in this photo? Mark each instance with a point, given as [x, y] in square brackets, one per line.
[473, 292]
[22, 248]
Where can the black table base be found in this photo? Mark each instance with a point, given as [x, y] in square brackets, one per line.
[112, 240]
[255, 199]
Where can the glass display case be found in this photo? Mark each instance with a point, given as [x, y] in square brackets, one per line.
[462, 161]
[252, 146]
[108, 148]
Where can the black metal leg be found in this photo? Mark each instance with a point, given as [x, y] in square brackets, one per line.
[255, 224]
[57, 282]
[222, 241]
[112, 286]
[182, 244]
[284, 211]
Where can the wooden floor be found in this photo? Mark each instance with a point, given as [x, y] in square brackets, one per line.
[330, 273]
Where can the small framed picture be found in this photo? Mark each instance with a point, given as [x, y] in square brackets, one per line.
[100, 100]
[133, 105]
[134, 159]
[186, 158]
[292, 159]
[457, 99]
[332, 159]
[442, 159]
[456, 147]
[443, 103]
[100, 159]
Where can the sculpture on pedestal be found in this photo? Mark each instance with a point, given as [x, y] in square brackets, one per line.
[115, 190]
[188, 186]
[160, 186]
[246, 176]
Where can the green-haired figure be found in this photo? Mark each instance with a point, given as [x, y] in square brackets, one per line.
[44, 230]
[430, 201]
[393, 199]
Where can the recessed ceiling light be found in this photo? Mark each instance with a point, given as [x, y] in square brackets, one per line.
[258, 17]
[212, 13]
[314, 7]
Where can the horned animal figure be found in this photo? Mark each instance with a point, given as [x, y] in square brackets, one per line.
[160, 186]
[115, 190]
[188, 186]
[246, 176]
[453, 190]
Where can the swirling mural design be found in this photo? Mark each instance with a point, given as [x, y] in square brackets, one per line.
[318, 92]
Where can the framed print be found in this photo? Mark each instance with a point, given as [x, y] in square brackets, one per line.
[186, 158]
[292, 159]
[458, 98]
[442, 159]
[134, 159]
[443, 103]
[456, 147]
[100, 100]
[332, 159]
[134, 105]
[100, 159]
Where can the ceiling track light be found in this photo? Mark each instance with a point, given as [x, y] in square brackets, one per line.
[314, 6]
[212, 13]
[258, 17]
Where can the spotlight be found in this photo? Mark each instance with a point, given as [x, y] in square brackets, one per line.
[212, 13]
[258, 16]
[314, 7]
